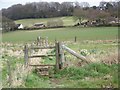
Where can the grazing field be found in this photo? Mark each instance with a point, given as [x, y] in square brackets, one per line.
[30, 22]
[61, 34]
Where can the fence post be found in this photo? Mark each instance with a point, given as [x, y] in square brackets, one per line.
[38, 40]
[61, 56]
[46, 41]
[26, 55]
[57, 55]
[75, 39]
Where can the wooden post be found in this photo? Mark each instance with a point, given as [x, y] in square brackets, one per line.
[38, 40]
[42, 40]
[9, 73]
[61, 56]
[75, 39]
[46, 41]
[26, 55]
[57, 55]
[74, 53]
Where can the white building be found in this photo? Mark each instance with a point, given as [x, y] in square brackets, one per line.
[20, 26]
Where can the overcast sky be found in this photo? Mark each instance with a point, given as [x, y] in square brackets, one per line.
[8, 3]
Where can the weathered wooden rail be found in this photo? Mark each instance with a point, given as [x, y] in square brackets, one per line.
[27, 56]
[74, 53]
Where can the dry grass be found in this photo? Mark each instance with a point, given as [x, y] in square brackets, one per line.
[111, 58]
[19, 75]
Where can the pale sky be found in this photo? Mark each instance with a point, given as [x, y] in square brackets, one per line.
[8, 3]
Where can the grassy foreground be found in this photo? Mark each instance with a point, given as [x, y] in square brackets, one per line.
[92, 75]
[67, 34]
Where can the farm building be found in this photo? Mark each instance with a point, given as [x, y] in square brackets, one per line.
[20, 26]
[39, 25]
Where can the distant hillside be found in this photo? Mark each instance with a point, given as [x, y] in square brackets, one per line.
[29, 22]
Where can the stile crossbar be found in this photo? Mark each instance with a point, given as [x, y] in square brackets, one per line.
[48, 47]
[36, 56]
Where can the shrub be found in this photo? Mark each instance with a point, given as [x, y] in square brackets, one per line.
[55, 23]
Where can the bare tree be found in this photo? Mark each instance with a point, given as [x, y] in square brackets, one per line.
[79, 14]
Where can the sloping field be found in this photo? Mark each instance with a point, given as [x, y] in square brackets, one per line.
[29, 22]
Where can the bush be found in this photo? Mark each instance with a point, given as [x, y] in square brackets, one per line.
[55, 23]
[7, 25]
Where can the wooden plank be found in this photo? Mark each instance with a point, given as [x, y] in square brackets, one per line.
[48, 47]
[46, 41]
[42, 65]
[36, 56]
[74, 53]
[75, 39]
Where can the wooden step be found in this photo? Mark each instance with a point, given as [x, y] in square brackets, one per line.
[41, 65]
[36, 56]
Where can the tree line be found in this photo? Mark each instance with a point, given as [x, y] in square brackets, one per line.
[56, 9]
[38, 10]
[104, 13]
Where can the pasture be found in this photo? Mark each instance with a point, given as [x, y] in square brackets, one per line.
[63, 34]
[67, 21]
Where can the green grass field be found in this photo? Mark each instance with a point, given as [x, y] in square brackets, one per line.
[93, 75]
[30, 22]
[63, 34]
